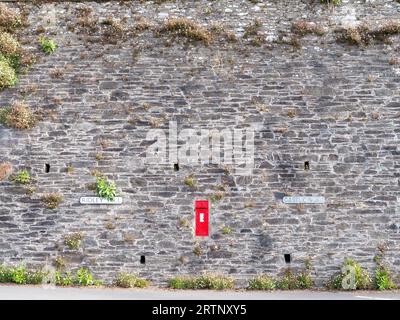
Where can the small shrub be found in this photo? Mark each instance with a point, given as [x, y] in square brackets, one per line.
[85, 278]
[334, 2]
[303, 28]
[190, 181]
[8, 77]
[217, 196]
[73, 241]
[6, 170]
[52, 200]
[252, 28]
[187, 28]
[8, 44]
[5, 274]
[364, 35]
[9, 18]
[214, 282]
[60, 263]
[226, 230]
[383, 279]
[262, 283]
[382, 276]
[48, 46]
[292, 281]
[21, 275]
[22, 177]
[361, 278]
[63, 279]
[18, 116]
[181, 283]
[288, 281]
[197, 251]
[127, 280]
[207, 281]
[105, 189]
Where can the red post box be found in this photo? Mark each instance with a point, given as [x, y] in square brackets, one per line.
[202, 218]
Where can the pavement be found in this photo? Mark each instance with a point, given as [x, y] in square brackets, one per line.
[26, 292]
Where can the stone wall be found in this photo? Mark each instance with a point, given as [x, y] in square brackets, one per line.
[311, 98]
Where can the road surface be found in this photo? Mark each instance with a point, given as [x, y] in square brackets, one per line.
[15, 292]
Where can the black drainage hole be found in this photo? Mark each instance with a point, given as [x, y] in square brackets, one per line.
[288, 257]
[47, 168]
[176, 167]
[142, 259]
[307, 165]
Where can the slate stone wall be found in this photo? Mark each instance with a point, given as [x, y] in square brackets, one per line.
[332, 104]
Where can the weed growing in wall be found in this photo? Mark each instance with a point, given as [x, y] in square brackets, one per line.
[206, 281]
[22, 177]
[189, 29]
[105, 189]
[9, 18]
[73, 241]
[52, 200]
[18, 116]
[351, 277]
[6, 170]
[48, 46]
[383, 279]
[21, 275]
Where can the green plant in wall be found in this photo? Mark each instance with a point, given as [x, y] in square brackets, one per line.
[22, 177]
[73, 241]
[48, 46]
[105, 189]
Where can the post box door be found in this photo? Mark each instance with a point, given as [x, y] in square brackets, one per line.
[202, 218]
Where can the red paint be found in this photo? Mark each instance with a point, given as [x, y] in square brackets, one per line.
[202, 218]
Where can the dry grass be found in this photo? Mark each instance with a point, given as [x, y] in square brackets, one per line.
[364, 34]
[187, 28]
[303, 28]
[142, 24]
[18, 116]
